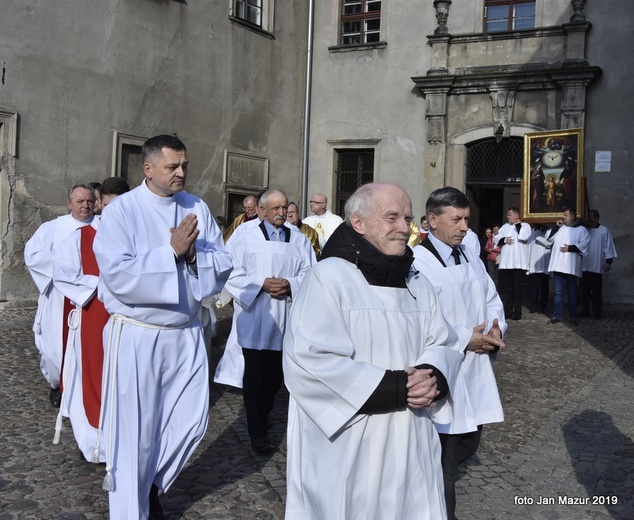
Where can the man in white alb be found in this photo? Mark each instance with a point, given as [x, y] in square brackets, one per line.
[322, 221]
[471, 305]
[366, 372]
[50, 327]
[76, 275]
[570, 242]
[160, 254]
[597, 260]
[270, 261]
[513, 265]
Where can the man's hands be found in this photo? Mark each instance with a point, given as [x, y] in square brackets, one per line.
[276, 287]
[183, 238]
[421, 387]
[490, 342]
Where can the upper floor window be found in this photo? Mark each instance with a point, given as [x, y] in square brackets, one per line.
[249, 10]
[509, 15]
[257, 14]
[360, 21]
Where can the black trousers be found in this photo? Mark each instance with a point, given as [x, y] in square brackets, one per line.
[262, 380]
[539, 291]
[592, 291]
[456, 449]
[510, 288]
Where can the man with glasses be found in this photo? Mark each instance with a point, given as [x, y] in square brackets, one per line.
[249, 206]
[323, 221]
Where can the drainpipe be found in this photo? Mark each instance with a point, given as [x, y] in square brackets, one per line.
[306, 129]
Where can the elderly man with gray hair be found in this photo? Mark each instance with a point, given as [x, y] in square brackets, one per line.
[367, 372]
[50, 327]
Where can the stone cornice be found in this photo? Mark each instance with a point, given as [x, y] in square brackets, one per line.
[533, 76]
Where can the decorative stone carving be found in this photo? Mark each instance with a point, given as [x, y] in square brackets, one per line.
[502, 103]
[578, 6]
[442, 13]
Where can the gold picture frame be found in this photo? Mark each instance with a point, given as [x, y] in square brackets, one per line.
[553, 175]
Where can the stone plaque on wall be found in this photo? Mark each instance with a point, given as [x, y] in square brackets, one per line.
[245, 170]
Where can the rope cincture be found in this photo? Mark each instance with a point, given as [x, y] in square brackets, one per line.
[117, 321]
[74, 321]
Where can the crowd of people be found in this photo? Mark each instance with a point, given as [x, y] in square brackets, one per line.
[384, 333]
[573, 254]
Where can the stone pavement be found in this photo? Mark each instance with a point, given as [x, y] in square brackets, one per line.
[566, 450]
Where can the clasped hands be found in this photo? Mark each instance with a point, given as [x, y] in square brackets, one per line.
[183, 239]
[276, 287]
[489, 342]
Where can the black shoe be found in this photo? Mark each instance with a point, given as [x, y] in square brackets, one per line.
[156, 510]
[262, 446]
[517, 316]
[574, 323]
[554, 320]
[56, 397]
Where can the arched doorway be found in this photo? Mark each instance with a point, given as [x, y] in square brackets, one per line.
[493, 174]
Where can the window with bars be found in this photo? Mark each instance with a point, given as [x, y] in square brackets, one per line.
[509, 15]
[360, 21]
[491, 163]
[355, 167]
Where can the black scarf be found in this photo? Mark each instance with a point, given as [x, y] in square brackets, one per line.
[377, 268]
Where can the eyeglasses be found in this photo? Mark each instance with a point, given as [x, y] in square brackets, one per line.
[317, 202]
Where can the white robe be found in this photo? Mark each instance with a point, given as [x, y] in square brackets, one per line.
[538, 254]
[260, 321]
[80, 289]
[468, 298]
[515, 255]
[324, 224]
[568, 263]
[601, 248]
[39, 256]
[343, 334]
[161, 399]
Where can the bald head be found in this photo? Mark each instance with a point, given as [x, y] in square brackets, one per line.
[318, 203]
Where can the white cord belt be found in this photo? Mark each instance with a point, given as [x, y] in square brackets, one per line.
[117, 321]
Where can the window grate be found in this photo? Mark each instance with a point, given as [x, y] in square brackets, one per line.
[491, 163]
[354, 168]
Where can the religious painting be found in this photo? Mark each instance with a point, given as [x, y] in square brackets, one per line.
[553, 174]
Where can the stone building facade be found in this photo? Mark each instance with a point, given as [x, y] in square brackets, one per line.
[437, 92]
[83, 84]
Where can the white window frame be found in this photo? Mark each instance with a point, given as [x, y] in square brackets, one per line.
[267, 9]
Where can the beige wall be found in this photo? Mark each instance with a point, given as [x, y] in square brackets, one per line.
[76, 71]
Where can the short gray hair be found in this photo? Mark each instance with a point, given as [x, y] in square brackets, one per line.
[84, 185]
[268, 193]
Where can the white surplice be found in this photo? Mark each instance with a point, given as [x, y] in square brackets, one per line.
[515, 255]
[260, 321]
[468, 298]
[601, 248]
[39, 256]
[570, 262]
[538, 254]
[342, 335]
[157, 412]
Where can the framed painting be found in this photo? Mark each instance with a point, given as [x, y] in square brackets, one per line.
[553, 175]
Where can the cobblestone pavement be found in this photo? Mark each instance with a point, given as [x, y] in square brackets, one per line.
[568, 436]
